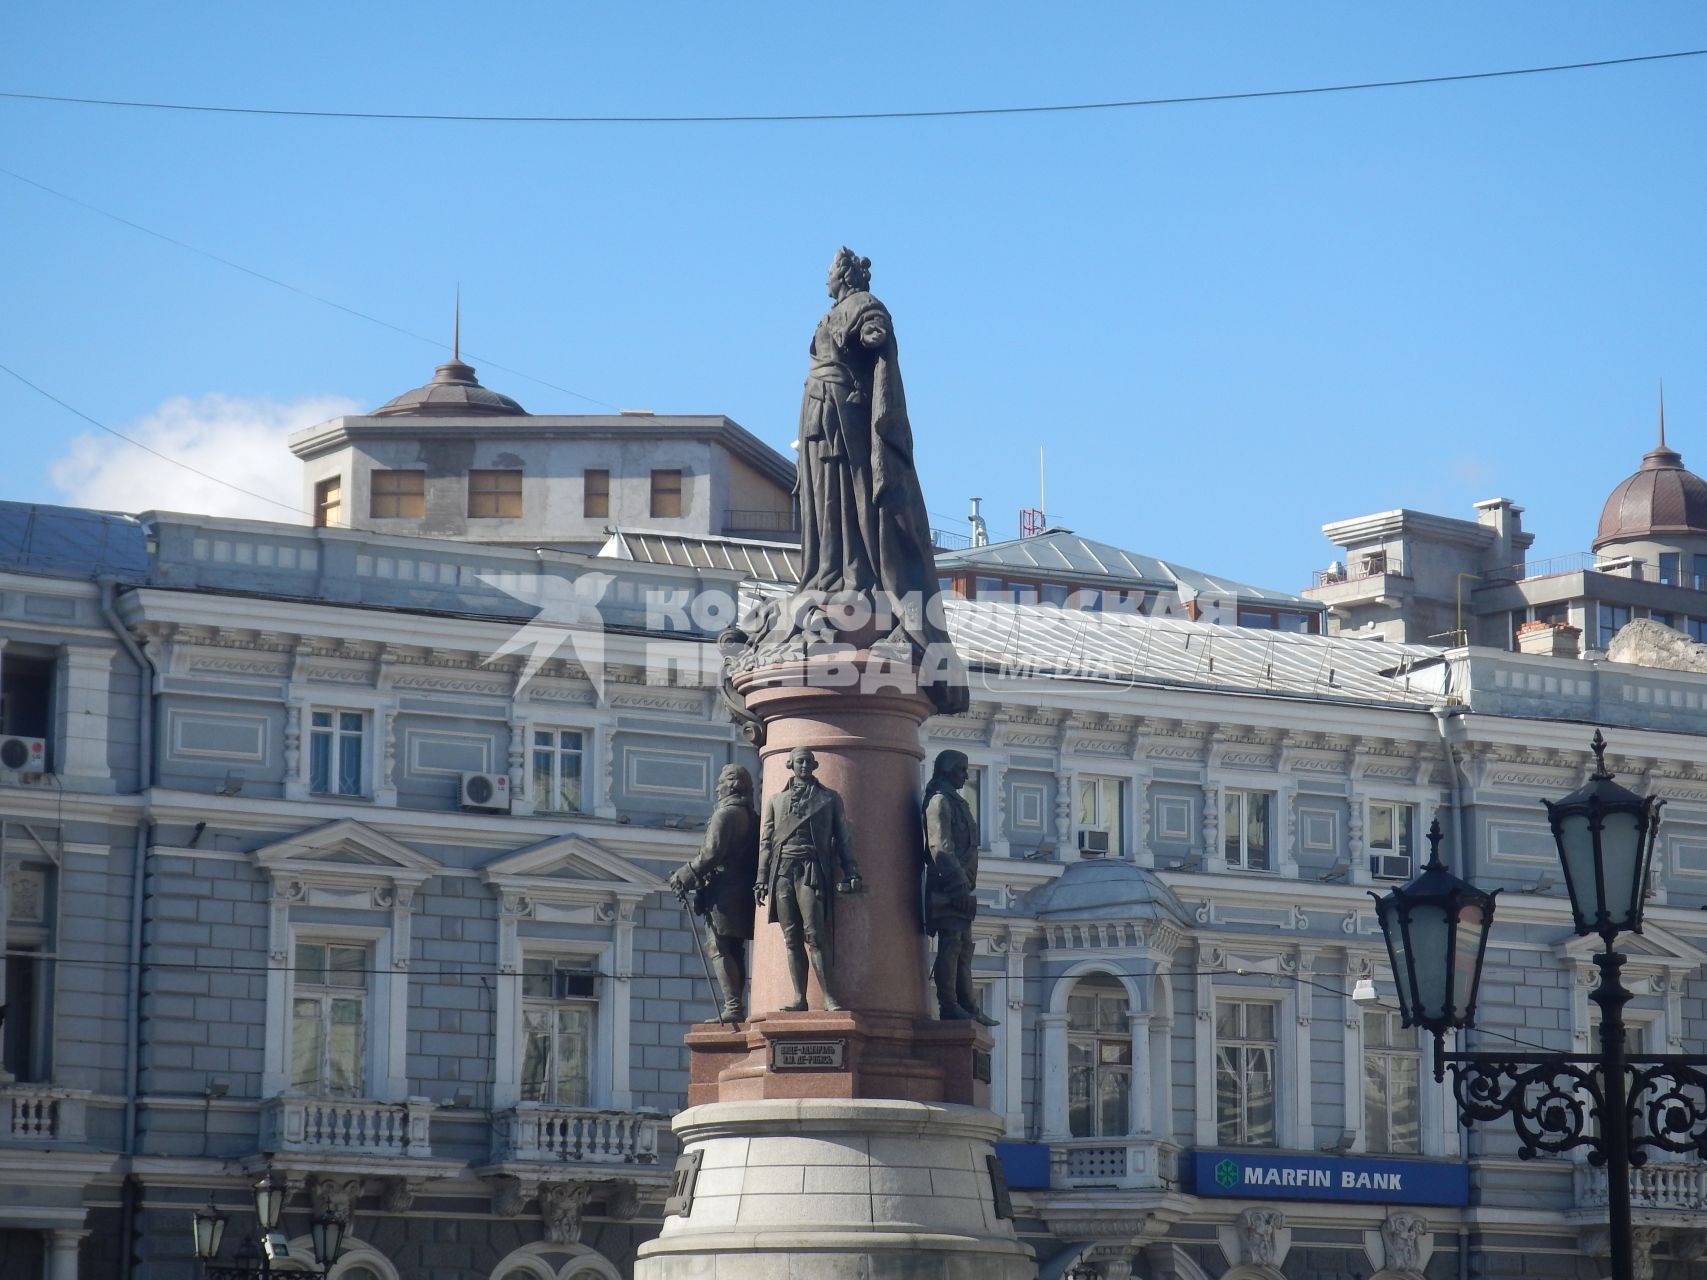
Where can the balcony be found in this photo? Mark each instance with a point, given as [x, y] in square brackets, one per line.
[1124, 1163]
[40, 1113]
[1663, 1186]
[578, 1135]
[340, 1126]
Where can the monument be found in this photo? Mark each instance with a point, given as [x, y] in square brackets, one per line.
[843, 1130]
[720, 880]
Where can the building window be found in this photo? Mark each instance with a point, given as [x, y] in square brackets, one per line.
[1656, 615]
[26, 697]
[397, 493]
[1669, 565]
[329, 504]
[595, 494]
[973, 794]
[328, 1014]
[1698, 571]
[1245, 829]
[1101, 806]
[1245, 1048]
[20, 1044]
[666, 495]
[1099, 1059]
[1392, 828]
[1392, 1107]
[494, 495]
[1261, 619]
[558, 755]
[559, 1012]
[335, 752]
[1697, 628]
[1612, 617]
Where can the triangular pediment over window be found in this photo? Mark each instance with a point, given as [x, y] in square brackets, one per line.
[1652, 948]
[346, 851]
[570, 866]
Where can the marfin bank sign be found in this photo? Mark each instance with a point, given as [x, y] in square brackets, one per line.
[1242, 1176]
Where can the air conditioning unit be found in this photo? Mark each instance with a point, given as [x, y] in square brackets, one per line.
[1093, 844]
[571, 984]
[488, 791]
[1392, 866]
[23, 755]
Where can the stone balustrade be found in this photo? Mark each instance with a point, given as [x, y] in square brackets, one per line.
[348, 1126]
[32, 1113]
[557, 1134]
[1663, 1184]
[1113, 1162]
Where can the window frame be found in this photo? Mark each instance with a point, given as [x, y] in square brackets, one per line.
[601, 493]
[329, 503]
[326, 993]
[1243, 795]
[557, 751]
[555, 958]
[1247, 1042]
[395, 498]
[604, 1043]
[1412, 1053]
[384, 1069]
[1108, 817]
[658, 495]
[336, 733]
[1373, 851]
[490, 486]
[1100, 1040]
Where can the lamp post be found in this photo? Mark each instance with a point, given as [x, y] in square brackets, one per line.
[1610, 1103]
[255, 1262]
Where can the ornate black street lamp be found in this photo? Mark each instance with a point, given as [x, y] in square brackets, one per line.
[255, 1262]
[1609, 1103]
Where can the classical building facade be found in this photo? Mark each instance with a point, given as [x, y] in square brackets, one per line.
[343, 853]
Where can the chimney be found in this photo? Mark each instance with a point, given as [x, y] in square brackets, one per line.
[1505, 519]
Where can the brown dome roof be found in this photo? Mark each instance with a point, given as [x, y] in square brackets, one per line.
[1661, 498]
[454, 392]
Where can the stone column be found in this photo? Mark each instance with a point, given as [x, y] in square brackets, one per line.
[62, 1253]
[1054, 1083]
[1140, 1105]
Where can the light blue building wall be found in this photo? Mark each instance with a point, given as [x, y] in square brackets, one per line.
[466, 1024]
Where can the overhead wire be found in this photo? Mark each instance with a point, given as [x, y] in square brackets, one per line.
[146, 448]
[814, 117]
[292, 288]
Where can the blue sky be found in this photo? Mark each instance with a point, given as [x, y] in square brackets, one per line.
[1226, 323]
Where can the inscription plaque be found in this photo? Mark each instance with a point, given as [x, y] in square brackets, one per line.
[809, 1055]
[981, 1065]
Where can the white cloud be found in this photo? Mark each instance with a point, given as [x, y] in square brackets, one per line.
[239, 439]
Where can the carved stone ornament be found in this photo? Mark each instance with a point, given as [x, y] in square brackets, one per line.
[400, 1194]
[1258, 1237]
[334, 1197]
[1403, 1243]
[561, 1205]
[509, 1195]
[622, 1199]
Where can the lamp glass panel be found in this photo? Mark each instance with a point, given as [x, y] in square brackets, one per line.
[1576, 851]
[1429, 932]
[1621, 856]
[209, 1229]
[1399, 953]
[1467, 956]
[269, 1200]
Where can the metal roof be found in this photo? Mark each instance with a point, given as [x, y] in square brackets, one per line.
[36, 538]
[1063, 554]
[771, 562]
[1007, 644]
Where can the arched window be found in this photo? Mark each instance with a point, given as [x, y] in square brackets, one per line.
[1099, 1058]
